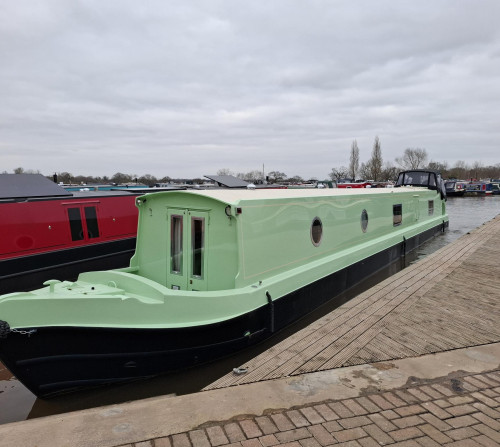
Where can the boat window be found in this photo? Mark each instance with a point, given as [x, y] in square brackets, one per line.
[397, 214]
[415, 178]
[91, 220]
[364, 221]
[176, 243]
[197, 242]
[316, 231]
[432, 181]
[75, 224]
[431, 207]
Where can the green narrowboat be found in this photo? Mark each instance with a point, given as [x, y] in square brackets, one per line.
[213, 272]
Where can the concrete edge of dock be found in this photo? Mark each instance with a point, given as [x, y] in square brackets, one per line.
[158, 417]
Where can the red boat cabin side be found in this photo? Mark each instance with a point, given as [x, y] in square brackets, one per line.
[33, 227]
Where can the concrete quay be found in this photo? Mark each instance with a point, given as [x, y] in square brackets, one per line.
[414, 361]
[451, 398]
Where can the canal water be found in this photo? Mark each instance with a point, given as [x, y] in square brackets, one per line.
[17, 403]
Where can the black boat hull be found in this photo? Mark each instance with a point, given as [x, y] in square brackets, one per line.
[52, 360]
[29, 272]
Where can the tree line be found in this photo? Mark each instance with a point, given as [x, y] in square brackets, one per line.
[413, 158]
[374, 169]
[119, 178]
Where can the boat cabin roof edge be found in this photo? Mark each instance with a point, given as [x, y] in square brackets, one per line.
[235, 197]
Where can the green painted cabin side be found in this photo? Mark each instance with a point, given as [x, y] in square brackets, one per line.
[248, 246]
[250, 236]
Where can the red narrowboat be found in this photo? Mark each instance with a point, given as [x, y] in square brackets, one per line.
[49, 232]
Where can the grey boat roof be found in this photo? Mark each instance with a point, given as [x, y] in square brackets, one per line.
[17, 186]
[229, 181]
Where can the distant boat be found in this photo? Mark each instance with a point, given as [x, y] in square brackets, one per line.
[455, 188]
[479, 188]
[214, 271]
[48, 231]
[495, 186]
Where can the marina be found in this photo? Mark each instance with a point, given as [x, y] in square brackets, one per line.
[213, 272]
[430, 347]
[242, 224]
[465, 214]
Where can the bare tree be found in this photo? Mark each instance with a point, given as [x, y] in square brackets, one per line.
[476, 169]
[64, 177]
[365, 171]
[225, 171]
[389, 172]
[438, 166]
[295, 179]
[375, 163]
[492, 172]
[119, 177]
[459, 170]
[339, 173]
[148, 179]
[413, 158]
[354, 160]
[252, 176]
[276, 176]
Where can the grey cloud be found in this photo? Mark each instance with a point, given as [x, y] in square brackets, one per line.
[185, 89]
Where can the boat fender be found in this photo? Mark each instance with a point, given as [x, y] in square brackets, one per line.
[271, 310]
[240, 371]
[4, 329]
[403, 246]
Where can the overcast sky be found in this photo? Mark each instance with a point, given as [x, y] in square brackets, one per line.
[186, 88]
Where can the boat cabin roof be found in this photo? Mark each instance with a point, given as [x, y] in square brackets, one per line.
[36, 187]
[17, 186]
[235, 196]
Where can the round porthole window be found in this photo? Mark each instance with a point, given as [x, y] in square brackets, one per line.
[316, 231]
[364, 221]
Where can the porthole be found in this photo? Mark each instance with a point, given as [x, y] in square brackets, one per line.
[364, 221]
[316, 231]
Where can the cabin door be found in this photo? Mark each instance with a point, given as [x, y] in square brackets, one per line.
[187, 255]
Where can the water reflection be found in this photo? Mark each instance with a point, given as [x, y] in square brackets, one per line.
[466, 213]
[17, 403]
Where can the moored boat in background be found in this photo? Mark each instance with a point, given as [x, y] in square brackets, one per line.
[48, 231]
[455, 188]
[478, 188]
[495, 186]
[213, 272]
